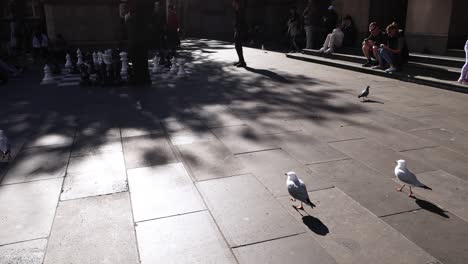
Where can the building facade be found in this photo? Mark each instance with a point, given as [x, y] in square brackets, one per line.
[431, 26]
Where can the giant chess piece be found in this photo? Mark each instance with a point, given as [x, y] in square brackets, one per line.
[84, 75]
[5, 147]
[79, 55]
[48, 78]
[155, 67]
[95, 58]
[68, 63]
[181, 72]
[124, 69]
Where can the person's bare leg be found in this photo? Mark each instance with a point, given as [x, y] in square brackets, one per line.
[375, 50]
[365, 50]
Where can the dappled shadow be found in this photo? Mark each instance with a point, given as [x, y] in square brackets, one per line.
[428, 206]
[315, 225]
[213, 92]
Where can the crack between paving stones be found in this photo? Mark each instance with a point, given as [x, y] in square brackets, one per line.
[23, 241]
[255, 151]
[406, 150]
[268, 240]
[169, 216]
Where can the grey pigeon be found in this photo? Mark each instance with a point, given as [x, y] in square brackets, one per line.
[5, 151]
[407, 177]
[364, 93]
[297, 190]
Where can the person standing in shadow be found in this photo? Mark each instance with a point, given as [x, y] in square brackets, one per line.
[240, 30]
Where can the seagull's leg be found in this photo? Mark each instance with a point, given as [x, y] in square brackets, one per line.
[410, 192]
[293, 200]
[401, 188]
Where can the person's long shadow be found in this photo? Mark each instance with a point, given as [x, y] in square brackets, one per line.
[315, 225]
[428, 206]
[269, 74]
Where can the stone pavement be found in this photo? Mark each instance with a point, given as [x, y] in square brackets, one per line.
[191, 170]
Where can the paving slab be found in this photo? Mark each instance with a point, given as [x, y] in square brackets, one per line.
[147, 150]
[393, 138]
[303, 147]
[176, 125]
[443, 159]
[245, 211]
[242, 139]
[103, 163]
[162, 191]
[264, 125]
[330, 131]
[99, 181]
[218, 116]
[448, 192]
[299, 249]
[446, 121]
[93, 230]
[210, 160]
[443, 235]
[40, 163]
[188, 238]
[91, 146]
[63, 137]
[28, 210]
[102, 129]
[270, 166]
[188, 137]
[366, 186]
[29, 252]
[379, 157]
[353, 235]
[140, 127]
[395, 121]
[456, 140]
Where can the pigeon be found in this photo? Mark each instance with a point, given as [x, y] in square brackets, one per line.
[297, 190]
[407, 177]
[5, 151]
[364, 93]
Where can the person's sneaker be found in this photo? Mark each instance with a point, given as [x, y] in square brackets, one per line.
[329, 51]
[322, 50]
[391, 69]
[367, 64]
[378, 67]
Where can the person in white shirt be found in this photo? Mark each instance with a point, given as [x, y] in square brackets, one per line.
[334, 40]
[464, 72]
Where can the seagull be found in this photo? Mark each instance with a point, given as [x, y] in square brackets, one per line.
[4, 146]
[364, 93]
[407, 177]
[297, 190]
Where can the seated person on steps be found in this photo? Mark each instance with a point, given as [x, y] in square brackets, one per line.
[394, 52]
[342, 35]
[371, 44]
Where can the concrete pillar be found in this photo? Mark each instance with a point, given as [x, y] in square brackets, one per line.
[427, 25]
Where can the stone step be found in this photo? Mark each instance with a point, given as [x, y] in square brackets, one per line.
[443, 80]
[351, 234]
[456, 59]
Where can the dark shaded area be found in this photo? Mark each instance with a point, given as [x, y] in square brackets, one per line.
[315, 225]
[428, 206]
[372, 101]
[30, 110]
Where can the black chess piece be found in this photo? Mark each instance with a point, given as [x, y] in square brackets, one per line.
[84, 75]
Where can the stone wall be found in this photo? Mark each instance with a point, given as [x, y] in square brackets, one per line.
[84, 22]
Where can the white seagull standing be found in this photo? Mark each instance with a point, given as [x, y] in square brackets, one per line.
[407, 177]
[297, 190]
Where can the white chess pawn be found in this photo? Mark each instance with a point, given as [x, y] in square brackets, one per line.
[68, 63]
[124, 69]
[95, 58]
[48, 78]
[99, 57]
[173, 66]
[155, 68]
[181, 72]
[79, 55]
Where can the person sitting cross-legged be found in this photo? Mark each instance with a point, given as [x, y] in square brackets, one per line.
[392, 53]
[342, 35]
[371, 44]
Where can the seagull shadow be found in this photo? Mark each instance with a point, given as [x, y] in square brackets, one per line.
[372, 101]
[428, 206]
[315, 225]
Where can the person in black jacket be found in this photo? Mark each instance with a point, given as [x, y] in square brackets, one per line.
[240, 31]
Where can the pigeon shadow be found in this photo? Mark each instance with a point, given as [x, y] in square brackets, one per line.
[315, 225]
[372, 101]
[428, 206]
